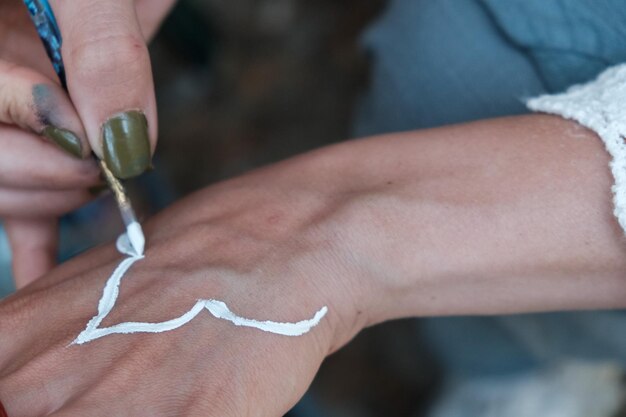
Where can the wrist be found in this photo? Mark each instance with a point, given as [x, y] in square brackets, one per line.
[501, 216]
[346, 230]
[268, 231]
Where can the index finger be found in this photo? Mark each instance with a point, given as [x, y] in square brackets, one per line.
[109, 77]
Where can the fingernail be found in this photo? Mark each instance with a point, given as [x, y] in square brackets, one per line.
[67, 140]
[126, 145]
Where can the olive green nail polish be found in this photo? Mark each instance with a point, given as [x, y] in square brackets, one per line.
[67, 140]
[126, 145]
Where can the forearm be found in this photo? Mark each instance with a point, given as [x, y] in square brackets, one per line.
[501, 216]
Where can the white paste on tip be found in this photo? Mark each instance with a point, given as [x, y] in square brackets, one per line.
[135, 237]
[217, 308]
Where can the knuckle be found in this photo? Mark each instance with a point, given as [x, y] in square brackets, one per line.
[11, 69]
[104, 58]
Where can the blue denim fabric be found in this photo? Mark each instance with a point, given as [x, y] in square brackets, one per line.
[437, 62]
[569, 41]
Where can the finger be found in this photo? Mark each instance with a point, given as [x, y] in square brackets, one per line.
[151, 14]
[19, 41]
[37, 204]
[34, 245]
[28, 162]
[109, 77]
[36, 103]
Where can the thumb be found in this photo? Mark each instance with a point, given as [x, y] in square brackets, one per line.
[109, 78]
[34, 244]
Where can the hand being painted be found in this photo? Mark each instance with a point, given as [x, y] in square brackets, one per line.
[44, 134]
[233, 243]
[375, 229]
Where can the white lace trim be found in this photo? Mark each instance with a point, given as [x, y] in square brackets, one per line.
[599, 105]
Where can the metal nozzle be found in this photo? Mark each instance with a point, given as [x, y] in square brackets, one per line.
[133, 228]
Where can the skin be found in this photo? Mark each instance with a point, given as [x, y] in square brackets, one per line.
[501, 216]
[108, 72]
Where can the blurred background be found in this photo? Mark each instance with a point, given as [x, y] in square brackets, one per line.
[243, 83]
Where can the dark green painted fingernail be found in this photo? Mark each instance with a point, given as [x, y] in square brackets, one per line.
[67, 140]
[126, 145]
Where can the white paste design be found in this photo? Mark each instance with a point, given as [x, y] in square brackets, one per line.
[217, 308]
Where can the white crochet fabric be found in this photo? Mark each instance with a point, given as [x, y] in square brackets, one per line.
[599, 105]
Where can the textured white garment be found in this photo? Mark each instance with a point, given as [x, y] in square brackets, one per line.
[599, 105]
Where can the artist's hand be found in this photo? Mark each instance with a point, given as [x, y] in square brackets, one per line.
[44, 133]
[236, 242]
